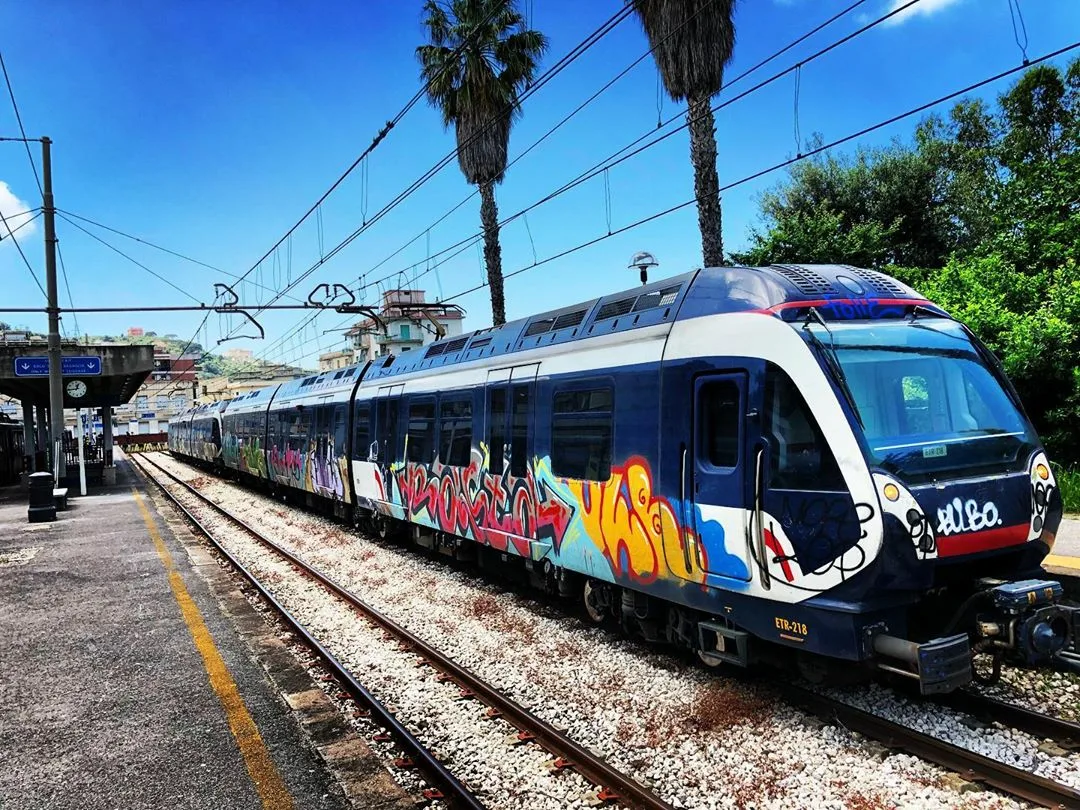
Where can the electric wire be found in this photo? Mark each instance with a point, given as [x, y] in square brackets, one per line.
[612, 159]
[575, 53]
[18, 247]
[22, 130]
[175, 253]
[67, 286]
[783, 164]
[137, 263]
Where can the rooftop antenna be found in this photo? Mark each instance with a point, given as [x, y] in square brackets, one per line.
[643, 260]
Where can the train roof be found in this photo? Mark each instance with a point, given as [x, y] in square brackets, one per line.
[256, 400]
[332, 385]
[690, 295]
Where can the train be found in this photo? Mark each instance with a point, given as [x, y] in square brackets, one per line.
[810, 466]
[12, 452]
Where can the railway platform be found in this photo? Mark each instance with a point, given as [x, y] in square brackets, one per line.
[1065, 559]
[134, 674]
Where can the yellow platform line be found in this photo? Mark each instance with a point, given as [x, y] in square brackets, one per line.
[1061, 561]
[268, 782]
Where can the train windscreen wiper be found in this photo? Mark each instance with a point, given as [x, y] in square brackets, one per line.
[831, 360]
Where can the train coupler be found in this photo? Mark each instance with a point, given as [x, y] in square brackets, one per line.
[940, 665]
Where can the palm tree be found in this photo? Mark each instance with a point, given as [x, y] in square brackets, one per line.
[692, 42]
[481, 58]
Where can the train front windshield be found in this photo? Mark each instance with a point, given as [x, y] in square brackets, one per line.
[930, 407]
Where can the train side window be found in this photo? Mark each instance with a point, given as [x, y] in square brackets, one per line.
[800, 456]
[420, 439]
[721, 417]
[581, 434]
[496, 429]
[362, 431]
[455, 432]
[340, 429]
[519, 431]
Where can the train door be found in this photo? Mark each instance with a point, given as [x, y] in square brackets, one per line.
[715, 468]
[387, 404]
[511, 395]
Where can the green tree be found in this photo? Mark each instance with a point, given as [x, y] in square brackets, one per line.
[692, 42]
[882, 206]
[480, 59]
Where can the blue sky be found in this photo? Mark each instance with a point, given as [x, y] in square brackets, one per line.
[210, 127]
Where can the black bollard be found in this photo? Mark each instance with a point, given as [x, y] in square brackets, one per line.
[42, 503]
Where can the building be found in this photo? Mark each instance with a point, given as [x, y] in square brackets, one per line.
[169, 390]
[332, 360]
[135, 331]
[406, 329]
[238, 355]
[215, 389]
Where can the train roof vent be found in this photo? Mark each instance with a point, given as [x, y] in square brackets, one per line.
[808, 282]
[307, 382]
[613, 309]
[389, 359]
[481, 342]
[539, 326]
[456, 345]
[882, 283]
[658, 298]
[435, 349]
[568, 319]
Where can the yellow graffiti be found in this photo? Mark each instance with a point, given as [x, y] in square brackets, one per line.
[638, 531]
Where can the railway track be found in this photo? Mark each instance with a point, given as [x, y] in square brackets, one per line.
[972, 766]
[614, 786]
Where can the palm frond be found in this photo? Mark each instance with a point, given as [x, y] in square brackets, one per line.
[692, 42]
[480, 59]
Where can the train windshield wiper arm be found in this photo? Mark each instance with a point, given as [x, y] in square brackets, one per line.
[831, 361]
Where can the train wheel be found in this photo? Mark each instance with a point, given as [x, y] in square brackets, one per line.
[597, 600]
[380, 526]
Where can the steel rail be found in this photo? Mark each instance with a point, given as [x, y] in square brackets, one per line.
[1064, 732]
[614, 784]
[451, 789]
[972, 766]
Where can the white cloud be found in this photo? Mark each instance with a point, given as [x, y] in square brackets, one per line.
[924, 8]
[13, 210]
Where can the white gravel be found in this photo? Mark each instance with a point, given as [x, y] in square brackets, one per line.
[473, 746]
[701, 740]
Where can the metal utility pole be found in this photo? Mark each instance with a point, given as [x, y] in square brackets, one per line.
[56, 375]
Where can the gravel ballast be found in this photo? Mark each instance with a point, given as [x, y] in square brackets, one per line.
[700, 739]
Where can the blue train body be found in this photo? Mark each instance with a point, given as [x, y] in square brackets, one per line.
[740, 461]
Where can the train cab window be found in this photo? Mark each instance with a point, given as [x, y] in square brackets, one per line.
[800, 456]
[455, 432]
[496, 430]
[721, 417]
[362, 431]
[581, 434]
[519, 431]
[420, 438]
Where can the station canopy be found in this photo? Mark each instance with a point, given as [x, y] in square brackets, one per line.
[94, 376]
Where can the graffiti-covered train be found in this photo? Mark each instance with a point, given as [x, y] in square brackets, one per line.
[796, 462]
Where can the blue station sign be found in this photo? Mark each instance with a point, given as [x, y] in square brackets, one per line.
[88, 366]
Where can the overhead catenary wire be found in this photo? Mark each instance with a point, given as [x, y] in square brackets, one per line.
[571, 56]
[575, 53]
[18, 247]
[137, 263]
[607, 162]
[155, 246]
[475, 237]
[784, 163]
[22, 129]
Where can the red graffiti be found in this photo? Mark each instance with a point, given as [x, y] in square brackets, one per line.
[774, 546]
[499, 510]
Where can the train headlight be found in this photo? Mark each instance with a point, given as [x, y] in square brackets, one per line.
[891, 492]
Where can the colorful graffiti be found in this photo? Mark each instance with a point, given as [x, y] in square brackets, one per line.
[498, 510]
[319, 470]
[619, 529]
[637, 530]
